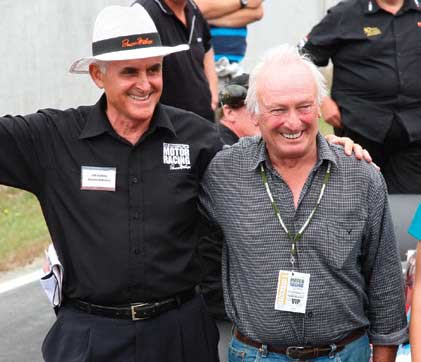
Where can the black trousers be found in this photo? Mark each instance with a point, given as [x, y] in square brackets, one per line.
[186, 334]
[398, 159]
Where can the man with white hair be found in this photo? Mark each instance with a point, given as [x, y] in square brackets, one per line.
[311, 269]
[118, 184]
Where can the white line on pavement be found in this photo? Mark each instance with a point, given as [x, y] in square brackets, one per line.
[20, 281]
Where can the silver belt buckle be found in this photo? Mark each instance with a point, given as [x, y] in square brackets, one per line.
[132, 307]
[292, 350]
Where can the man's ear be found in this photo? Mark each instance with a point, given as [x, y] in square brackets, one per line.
[96, 75]
[228, 114]
[255, 119]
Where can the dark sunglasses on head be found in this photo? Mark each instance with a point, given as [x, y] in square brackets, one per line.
[233, 95]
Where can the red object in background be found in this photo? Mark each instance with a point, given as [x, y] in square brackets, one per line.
[410, 277]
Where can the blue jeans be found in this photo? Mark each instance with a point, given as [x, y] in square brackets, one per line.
[357, 351]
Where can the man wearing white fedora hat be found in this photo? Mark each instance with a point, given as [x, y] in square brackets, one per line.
[118, 184]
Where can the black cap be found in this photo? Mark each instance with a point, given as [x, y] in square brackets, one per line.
[242, 79]
[235, 92]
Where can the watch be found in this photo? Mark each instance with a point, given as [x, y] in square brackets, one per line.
[243, 3]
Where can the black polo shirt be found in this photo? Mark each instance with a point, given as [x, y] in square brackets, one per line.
[185, 83]
[134, 243]
[377, 72]
[228, 137]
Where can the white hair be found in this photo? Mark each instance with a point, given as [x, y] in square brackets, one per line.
[102, 65]
[282, 55]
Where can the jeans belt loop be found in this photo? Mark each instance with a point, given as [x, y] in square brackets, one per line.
[263, 350]
[332, 352]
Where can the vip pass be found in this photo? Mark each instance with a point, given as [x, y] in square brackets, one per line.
[293, 238]
[177, 156]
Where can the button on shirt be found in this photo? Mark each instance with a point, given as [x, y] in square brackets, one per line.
[136, 243]
[349, 248]
[376, 57]
[185, 83]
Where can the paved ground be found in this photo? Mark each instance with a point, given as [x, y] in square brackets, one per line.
[25, 317]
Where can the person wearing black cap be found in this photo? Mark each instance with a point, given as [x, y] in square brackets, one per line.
[376, 92]
[235, 121]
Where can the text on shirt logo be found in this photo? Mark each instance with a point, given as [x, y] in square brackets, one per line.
[369, 31]
[177, 156]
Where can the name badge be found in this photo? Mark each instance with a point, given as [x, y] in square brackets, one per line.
[292, 291]
[98, 178]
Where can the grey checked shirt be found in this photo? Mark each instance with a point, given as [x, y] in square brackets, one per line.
[349, 248]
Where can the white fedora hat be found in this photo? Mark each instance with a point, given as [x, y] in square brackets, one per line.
[123, 33]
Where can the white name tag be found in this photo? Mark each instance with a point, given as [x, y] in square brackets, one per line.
[98, 178]
[292, 291]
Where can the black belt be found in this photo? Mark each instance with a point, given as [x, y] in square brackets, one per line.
[134, 311]
[303, 352]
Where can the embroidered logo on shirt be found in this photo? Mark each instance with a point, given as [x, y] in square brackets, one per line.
[369, 31]
[177, 156]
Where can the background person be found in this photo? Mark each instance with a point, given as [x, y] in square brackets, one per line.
[101, 174]
[415, 323]
[235, 121]
[229, 20]
[311, 269]
[190, 80]
[376, 93]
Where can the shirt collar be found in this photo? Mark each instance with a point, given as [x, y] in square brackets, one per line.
[167, 10]
[412, 5]
[164, 7]
[323, 153]
[408, 5]
[97, 121]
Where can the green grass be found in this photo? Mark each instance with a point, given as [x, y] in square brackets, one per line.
[325, 128]
[23, 231]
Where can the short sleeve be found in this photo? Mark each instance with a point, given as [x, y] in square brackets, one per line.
[322, 41]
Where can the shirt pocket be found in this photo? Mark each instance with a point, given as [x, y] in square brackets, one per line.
[343, 248]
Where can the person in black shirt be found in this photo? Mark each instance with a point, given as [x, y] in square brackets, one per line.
[375, 47]
[190, 80]
[118, 184]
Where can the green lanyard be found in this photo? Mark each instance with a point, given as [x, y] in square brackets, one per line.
[293, 238]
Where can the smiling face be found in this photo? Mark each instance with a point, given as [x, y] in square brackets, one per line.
[132, 87]
[288, 112]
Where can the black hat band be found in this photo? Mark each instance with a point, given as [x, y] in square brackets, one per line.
[126, 43]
